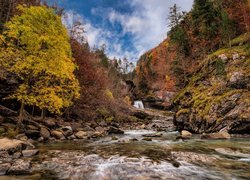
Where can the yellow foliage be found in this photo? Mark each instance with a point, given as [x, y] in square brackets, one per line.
[109, 94]
[167, 78]
[35, 46]
[127, 100]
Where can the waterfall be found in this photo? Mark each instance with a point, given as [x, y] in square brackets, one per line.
[139, 104]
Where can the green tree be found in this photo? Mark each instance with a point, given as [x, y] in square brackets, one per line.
[205, 18]
[175, 16]
[35, 46]
[177, 33]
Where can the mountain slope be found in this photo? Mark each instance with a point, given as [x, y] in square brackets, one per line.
[217, 95]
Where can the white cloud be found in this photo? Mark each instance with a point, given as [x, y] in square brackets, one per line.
[147, 25]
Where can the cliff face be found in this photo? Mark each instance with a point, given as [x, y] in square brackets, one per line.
[217, 96]
[163, 71]
[154, 78]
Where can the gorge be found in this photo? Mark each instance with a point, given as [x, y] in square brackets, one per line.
[69, 111]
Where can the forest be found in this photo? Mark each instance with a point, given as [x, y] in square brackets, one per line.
[70, 111]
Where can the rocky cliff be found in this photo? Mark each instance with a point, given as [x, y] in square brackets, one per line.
[217, 96]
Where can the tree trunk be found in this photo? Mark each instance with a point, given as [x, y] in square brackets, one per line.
[33, 109]
[21, 112]
[43, 114]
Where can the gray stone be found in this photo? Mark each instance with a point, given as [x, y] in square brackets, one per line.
[114, 130]
[29, 153]
[16, 155]
[100, 129]
[153, 135]
[45, 133]
[219, 135]
[4, 168]
[67, 128]
[20, 167]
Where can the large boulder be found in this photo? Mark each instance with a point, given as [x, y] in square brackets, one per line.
[81, 135]
[57, 134]
[12, 146]
[186, 134]
[32, 134]
[4, 168]
[219, 135]
[20, 167]
[44, 132]
[30, 152]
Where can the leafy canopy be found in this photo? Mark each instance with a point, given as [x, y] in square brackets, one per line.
[35, 47]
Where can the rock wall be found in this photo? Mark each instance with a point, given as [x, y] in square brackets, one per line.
[217, 96]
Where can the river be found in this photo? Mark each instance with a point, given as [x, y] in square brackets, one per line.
[130, 157]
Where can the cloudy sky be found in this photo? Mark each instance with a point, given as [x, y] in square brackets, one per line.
[128, 28]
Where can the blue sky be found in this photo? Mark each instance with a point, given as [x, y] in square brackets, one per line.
[128, 28]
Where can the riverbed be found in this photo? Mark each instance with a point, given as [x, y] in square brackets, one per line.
[132, 156]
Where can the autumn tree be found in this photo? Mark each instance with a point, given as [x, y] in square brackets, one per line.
[35, 47]
[8, 8]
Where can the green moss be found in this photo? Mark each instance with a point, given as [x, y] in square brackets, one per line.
[200, 97]
[241, 39]
[182, 111]
[12, 133]
[109, 119]
[220, 68]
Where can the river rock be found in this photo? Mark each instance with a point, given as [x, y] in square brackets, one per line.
[11, 146]
[114, 130]
[67, 128]
[67, 131]
[147, 139]
[100, 129]
[186, 134]
[32, 127]
[57, 134]
[33, 134]
[49, 122]
[114, 138]
[20, 167]
[45, 133]
[22, 137]
[4, 168]
[219, 135]
[71, 137]
[86, 128]
[81, 135]
[29, 153]
[192, 157]
[153, 135]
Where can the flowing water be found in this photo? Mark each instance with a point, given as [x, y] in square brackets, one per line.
[138, 105]
[130, 157]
